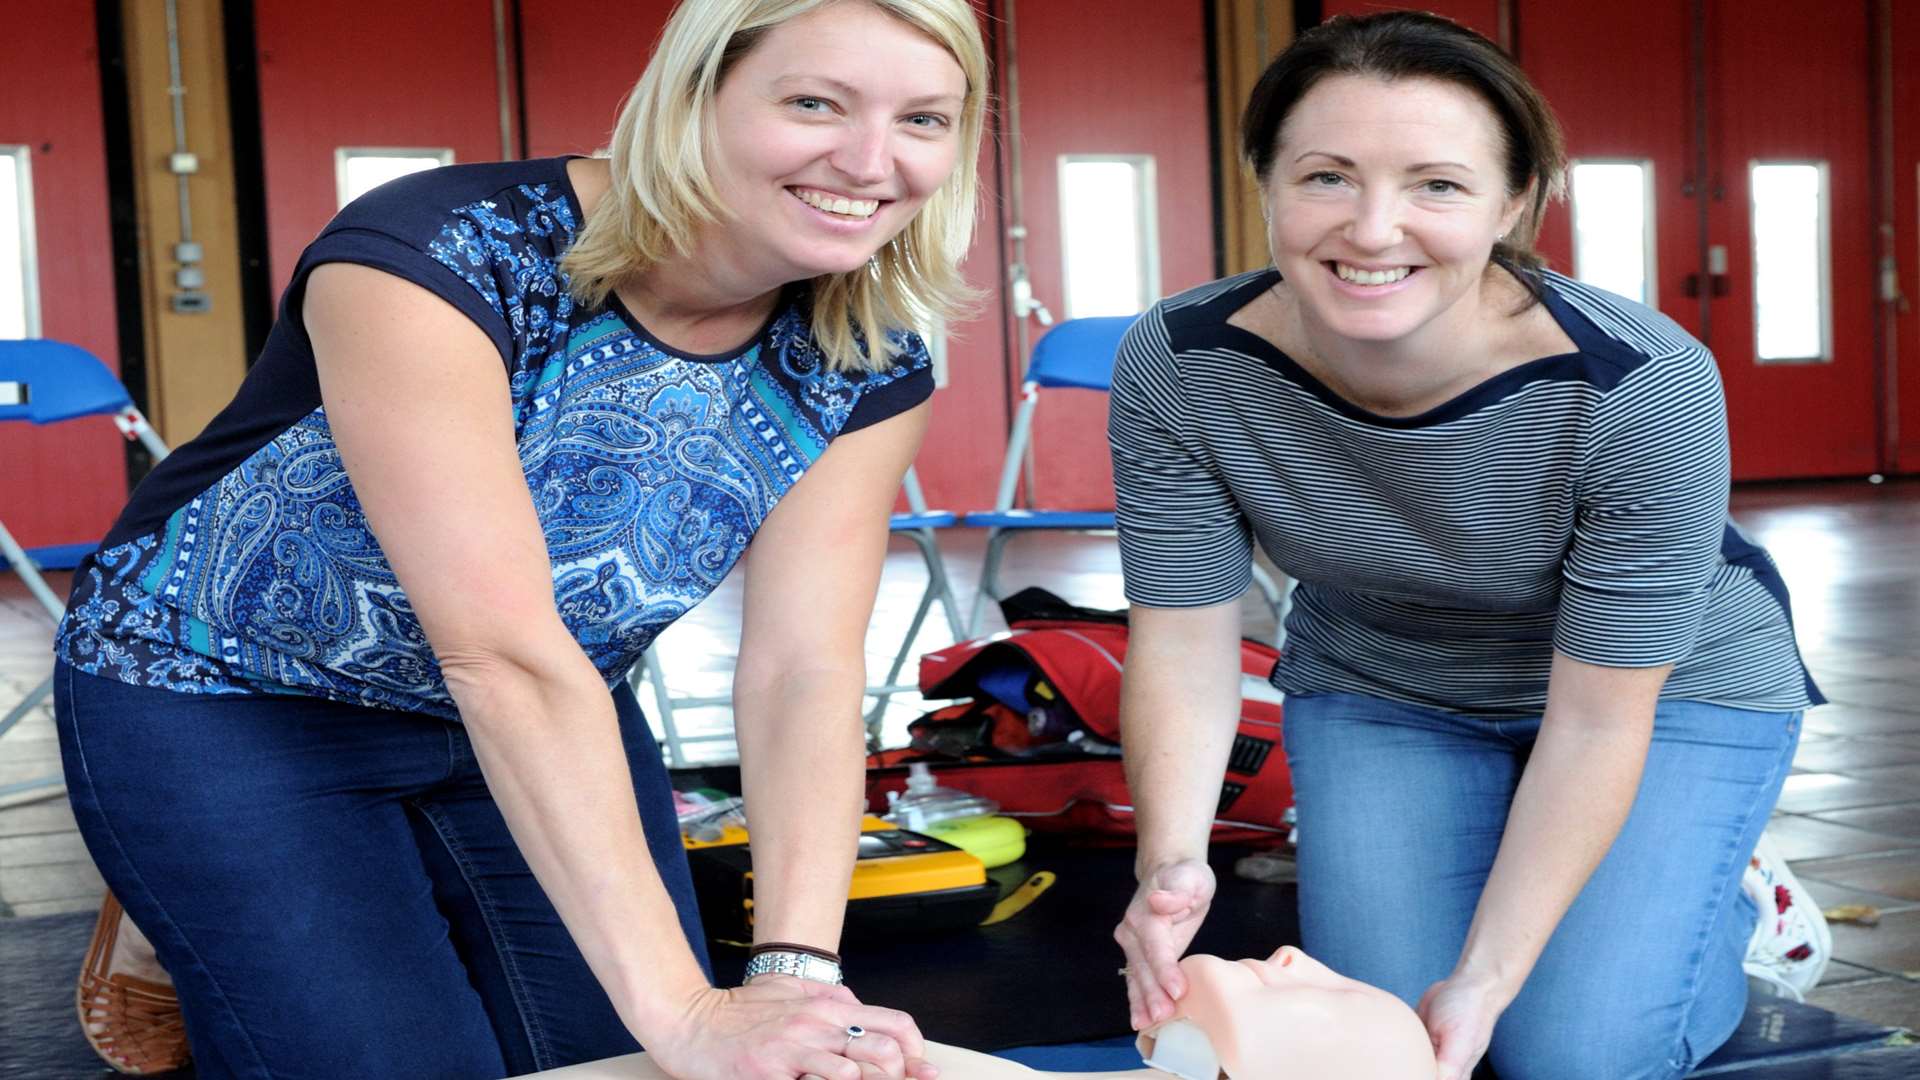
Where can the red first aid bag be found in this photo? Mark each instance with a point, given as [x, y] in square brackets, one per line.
[1040, 731]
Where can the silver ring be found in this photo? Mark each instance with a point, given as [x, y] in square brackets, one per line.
[854, 1031]
[1126, 971]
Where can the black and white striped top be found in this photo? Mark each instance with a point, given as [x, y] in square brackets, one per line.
[1577, 502]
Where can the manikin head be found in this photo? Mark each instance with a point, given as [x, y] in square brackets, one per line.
[1290, 1017]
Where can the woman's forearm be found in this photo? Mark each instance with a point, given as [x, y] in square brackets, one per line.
[1179, 706]
[802, 770]
[549, 745]
[1573, 798]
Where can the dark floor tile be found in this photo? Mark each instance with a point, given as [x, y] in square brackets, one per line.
[32, 908]
[1896, 874]
[39, 849]
[54, 881]
[1907, 775]
[1839, 972]
[1894, 1002]
[1902, 819]
[1804, 838]
[1892, 947]
[1841, 719]
[1827, 895]
[1847, 754]
[1860, 664]
[1809, 792]
[1873, 694]
[47, 815]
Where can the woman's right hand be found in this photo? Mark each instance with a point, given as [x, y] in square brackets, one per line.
[1160, 922]
[782, 1028]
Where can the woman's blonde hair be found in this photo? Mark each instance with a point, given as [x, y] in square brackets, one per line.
[663, 191]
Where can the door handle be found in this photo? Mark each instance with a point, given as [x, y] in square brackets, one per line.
[1717, 284]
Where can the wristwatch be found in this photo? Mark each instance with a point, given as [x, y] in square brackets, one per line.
[798, 964]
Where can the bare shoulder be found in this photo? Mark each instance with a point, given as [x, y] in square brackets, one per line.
[1527, 330]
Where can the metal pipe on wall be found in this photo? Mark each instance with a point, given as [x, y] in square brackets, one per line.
[503, 80]
[1891, 303]
[189, 277]
[1019, 277]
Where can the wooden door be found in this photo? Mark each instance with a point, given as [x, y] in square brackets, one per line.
[1788, 83]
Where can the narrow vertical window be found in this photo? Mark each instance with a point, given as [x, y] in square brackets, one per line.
[19, 268]
[359, 169]
[1613, 227]
[1792, 278]
[1108, 235]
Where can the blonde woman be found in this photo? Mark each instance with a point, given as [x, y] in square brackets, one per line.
[334, 695]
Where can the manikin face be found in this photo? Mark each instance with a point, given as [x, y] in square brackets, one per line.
[1289, 1017]
[1384, 201]
[831, 133]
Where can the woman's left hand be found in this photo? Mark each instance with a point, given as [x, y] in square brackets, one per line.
[1459, 1012]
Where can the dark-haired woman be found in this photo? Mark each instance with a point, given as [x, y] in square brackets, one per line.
[1541, 692]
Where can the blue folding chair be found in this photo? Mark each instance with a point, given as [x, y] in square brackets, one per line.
[919, 525]
[45, 382]
[1077, 354]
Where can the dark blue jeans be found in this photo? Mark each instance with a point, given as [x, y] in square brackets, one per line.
[332, 887]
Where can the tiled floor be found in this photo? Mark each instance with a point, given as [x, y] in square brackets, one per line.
[1849, 820]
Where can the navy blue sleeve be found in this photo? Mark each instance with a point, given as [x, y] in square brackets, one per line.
[484, 238]
[381, 251]
[892, 392]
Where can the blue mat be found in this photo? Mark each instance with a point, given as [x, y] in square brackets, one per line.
[1008, 977]
[1780, 1041]
[1777, 1032]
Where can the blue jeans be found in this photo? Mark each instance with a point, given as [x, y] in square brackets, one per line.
[332, 887]
[1401, 810]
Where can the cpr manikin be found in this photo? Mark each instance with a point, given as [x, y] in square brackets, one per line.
[1287, 1017]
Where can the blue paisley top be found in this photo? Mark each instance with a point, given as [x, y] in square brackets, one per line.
[244, 563]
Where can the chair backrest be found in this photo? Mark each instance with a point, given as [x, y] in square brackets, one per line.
[1078, 353]
[43, 381]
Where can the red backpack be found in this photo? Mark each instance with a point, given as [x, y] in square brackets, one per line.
[1040, 733]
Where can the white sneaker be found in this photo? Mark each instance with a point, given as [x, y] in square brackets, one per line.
[1791, 944]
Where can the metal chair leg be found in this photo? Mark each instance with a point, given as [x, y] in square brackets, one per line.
[989, 576]
[44, 786]
[663, 703]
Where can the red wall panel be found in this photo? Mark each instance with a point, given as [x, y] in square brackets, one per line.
[571, 105]
[1133, 81]
[365, 73]
[1609, 110]
[1481, 15]
[64, 483]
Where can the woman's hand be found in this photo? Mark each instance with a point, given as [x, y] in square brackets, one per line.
[1459, 1012]
[1165, 913]
[780, 1028]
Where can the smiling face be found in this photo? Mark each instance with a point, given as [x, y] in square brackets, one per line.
[831, 133]
[1384, 201]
